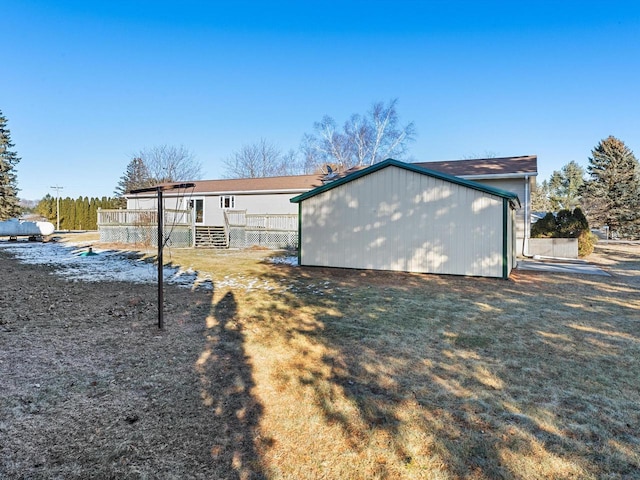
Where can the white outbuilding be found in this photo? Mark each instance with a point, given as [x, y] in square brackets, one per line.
[401, 217]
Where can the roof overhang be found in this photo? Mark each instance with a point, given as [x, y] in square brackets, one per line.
[288, 191]
[499, 176]
[164, 187]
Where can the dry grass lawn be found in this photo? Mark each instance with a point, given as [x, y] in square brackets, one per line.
[288, 372]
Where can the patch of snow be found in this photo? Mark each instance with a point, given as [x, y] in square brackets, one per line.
[291, 260]
[71, 262]
[107, 265]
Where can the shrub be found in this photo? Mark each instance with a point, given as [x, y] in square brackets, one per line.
[571, 224]
[586, 243]
[566, 224]
[545, 227]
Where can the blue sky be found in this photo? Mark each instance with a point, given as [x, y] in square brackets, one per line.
[86, 84]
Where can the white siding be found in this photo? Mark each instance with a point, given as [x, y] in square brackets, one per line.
[396, 219]
[151, 203]
[272, 203]
[213, 216]
[142, 203]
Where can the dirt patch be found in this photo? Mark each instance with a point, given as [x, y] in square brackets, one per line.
[91, 387]
[298, 373]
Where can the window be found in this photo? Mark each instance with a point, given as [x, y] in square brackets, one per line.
[227, 201]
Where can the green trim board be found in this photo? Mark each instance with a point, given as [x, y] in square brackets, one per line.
[509, 196]
[299, 234]
[505, 239]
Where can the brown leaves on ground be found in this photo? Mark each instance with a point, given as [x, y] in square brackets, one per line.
[288, 372]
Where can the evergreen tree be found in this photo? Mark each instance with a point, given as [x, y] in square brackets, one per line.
[83, 215]
[545, 227]
[78, 214]
[612, 193]
[9, 201]
[72, 221]
[540, 198]
[137, 175]
[47, 208]
[93, 214]
[565, 186]
[571, 224]
[65, 213]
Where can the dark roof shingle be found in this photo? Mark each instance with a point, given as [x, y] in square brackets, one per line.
[505, 166]
[414, 167]
[486, 166]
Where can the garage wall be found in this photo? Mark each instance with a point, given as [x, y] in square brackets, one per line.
[397, 219]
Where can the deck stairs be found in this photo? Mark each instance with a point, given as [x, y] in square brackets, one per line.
[211, 237]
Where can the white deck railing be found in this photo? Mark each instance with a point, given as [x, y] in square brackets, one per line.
[143, 217]
[262, 221]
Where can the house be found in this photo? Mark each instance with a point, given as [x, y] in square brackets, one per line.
[242, 211]
[209, 199]
[402, 217]
[514, 174]
[232, 212]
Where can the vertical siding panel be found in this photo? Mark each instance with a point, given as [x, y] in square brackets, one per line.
[458, 246]
[465, 240]
[400, 250]
[367, 217]
[393, 249]
[376, 255]
[396, 219]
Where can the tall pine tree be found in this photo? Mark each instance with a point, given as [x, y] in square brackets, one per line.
[46, 207]
[612, 194]
[565, 186]
[136, 176]
[9, 202]
[540, 198]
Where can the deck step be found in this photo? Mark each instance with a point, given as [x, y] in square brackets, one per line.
[211, 237]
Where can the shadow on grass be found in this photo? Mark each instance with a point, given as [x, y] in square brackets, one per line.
[104, 394]
[226, 385]
[470, 377]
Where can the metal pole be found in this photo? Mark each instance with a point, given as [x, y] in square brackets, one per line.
[159, 189]
[160, 262]
[57, 189]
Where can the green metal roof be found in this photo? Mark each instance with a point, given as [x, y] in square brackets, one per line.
[512, 197]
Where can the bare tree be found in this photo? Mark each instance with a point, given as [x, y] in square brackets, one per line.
[168, 163]
[363, 140]
[486, 154]
[261, 159]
